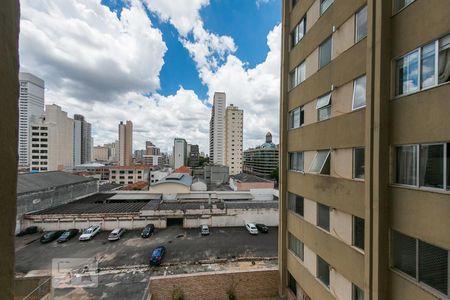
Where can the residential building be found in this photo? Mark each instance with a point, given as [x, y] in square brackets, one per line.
[364, 150]
[157, 175]
[52, 140]
[138, 155]
[129, 174]
[31, 104]
[152, 155]
[113, 151]
[193, 156]
[125, 143]
[82, 140]
[247, 182]
[234, 119]
[179, 152]
[217, 129]
[261, 160]
[101, 153]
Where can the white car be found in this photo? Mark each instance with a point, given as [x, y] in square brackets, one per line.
[116, 234]
[204, 229]
[89, 233]
[251, 228]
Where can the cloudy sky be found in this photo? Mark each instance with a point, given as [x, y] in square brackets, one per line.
[157, 63]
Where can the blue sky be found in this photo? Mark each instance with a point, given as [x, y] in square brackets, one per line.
[157, 63]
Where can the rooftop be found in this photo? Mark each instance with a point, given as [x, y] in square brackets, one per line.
[180, 178]
[136, 167]
[32, 182]
[244, 177]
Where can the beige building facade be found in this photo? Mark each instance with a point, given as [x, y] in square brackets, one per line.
[125, 143]
[101, 153]
[234, 119]
[365, 150]
[51, 146]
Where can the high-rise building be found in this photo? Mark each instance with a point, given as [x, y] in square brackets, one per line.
[152, 155]
[179, 152]
[31, 104]
[261, 160]
[101, 153]
[193, 156]
[365, 150]
[125, 143]
[234, 118]
[51, 140]
[217, 130]
[82, 140]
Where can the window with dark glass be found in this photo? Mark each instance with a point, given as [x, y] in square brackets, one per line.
[324, 5]
[297, 75]
[428, 66]
[292, 284]
[295, 245]
[323, 271]
[321, 163]
[400, 4]
[361, 24]
[358, 294]
[358, 163]
[323, 107]
[433, 267]
[325, 53]
[431, 166]
[406, 165]
[296, 117]
[444, 59]
[298, 32]
[358, 232]
[294, 3]
[407, 73]
[323, 216]
[359, 93]
[404, 253]
[296, 203]
[296, 161]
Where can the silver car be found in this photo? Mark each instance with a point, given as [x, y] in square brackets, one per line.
[116, 234]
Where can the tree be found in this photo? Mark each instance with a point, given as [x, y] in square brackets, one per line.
[274, 174]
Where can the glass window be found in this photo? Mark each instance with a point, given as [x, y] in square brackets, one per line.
[296, 161]
[428, 65]
[324, 5]
[298, 32]
[406, 165]
[432, 166]
[361, 24]
[296, 203]
[297, 75]
[358, 294]
[323, 216]
[399, 4]
[295, 245]
[404, 253]
[323, 107]
[444, 59]
[323, 271]
[294, 3]
[407, 73]
[321, 163]
[296, 117]
[325, 53]
[433, 266]
[358, 163]
[448, 166]
[358, 232]
[359, 93]
[292, 284]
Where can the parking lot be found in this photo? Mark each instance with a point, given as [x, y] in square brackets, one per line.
[183, 246]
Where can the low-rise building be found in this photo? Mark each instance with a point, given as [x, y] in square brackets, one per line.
[157, 175]
[246, 182]
[172, 184]
[129, 174]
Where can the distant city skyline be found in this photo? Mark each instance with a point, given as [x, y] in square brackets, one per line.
[165, 82]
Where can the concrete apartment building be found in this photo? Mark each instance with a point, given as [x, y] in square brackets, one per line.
[179, 152]
[234, 120]
[125, 143]
[261, 160]
[82, 140]
[217, 130]
[31, 104]
[52, 140]
[101, 153]
[128, 174]
[365, 152]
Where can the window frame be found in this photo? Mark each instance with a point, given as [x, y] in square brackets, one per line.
[354, 233]
[329, 217]
[354, 93]
[294, 32]
[291, 119]
[294, 210]
[317, 271]
[330, 39]
[355, 290]
[296, 72]
[323, 164]
[323, 107]
[356, 24]
[354, 163]
[397, 10]
[302, 170]
[321, 12]
[292, 238]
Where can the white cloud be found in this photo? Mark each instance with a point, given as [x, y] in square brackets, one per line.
[86, 50]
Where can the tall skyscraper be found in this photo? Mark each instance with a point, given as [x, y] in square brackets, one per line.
[194, 156]
[125, 143]
[82, 140]
[234, 118]
[179, 152]
[31, 104]
[217, 129]
[365, 150]
[51, 140]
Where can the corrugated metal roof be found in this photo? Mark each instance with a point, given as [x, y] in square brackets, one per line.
[33, 182]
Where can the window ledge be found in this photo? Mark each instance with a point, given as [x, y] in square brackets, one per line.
[420, 285]
[420, 91]
[422, 189]
[358, 249]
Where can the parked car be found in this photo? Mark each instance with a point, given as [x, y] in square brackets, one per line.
[89, 233]
[157, 255]
[116, 234]
[148, 230]
[51, 236]
[262, 227]
[204, 229]
[28, 230]
[251, 228]
[67, 235]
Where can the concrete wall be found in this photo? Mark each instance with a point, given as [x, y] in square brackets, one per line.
[257, 284]
[9, 93]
